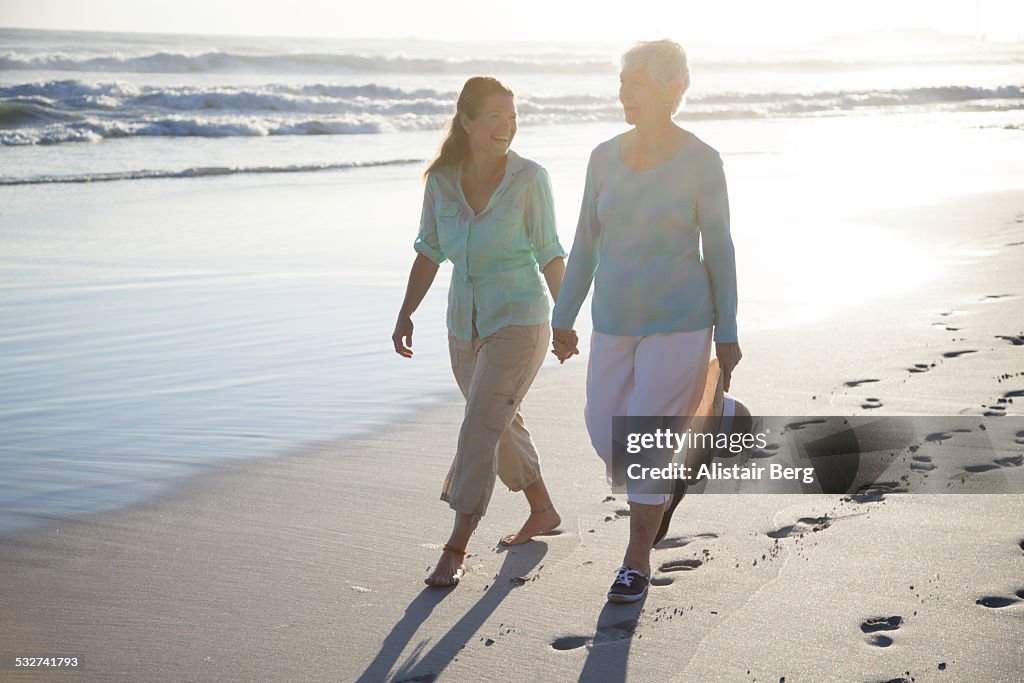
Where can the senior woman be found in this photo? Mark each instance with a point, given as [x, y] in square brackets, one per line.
[653, 238]
[490, 212]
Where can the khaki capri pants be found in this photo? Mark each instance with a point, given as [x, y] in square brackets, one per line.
[494, 375]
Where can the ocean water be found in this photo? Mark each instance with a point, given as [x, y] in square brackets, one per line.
[204, 241]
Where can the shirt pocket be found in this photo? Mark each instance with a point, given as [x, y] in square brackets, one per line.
[508, 227]
[507, 212]
[448, 226]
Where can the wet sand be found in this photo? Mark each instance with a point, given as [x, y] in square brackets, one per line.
[310, 567]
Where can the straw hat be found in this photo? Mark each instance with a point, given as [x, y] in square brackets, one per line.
[718, 412]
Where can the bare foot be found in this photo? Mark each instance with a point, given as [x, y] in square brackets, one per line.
[537, 523]
[448, 571]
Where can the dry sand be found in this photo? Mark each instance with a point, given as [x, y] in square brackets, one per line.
[310, 567]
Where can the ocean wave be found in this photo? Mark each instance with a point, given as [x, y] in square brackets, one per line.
[14, 114]
[70, 95]
[221, 61]
[95, 129]
[217, 61]
[73, 94]
[54, 112]
[198, 172]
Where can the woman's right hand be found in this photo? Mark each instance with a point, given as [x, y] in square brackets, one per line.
[565, 344]
[402, 337]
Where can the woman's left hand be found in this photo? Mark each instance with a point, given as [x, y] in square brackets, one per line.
[729, 356]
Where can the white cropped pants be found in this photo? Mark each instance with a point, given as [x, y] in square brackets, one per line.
[661, 374]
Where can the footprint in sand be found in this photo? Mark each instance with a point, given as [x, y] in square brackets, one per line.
[884, 487]
[801, 527]
[680, 541]
[800, 425]
[870, 403]
[957, 354]
[1015, 340]
[662, 581]
[921, 367]
[680, 566]
[858, 382]
[872, 497]
[992, 297]
[922, 463]
[946, 327]
[619, 631]
[943, 436]
[995, 602]
[569, 642]
[605, 634]
[876, 624]
[1012, 461]
[1022, 544]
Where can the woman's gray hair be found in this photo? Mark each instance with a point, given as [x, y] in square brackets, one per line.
[665, 62]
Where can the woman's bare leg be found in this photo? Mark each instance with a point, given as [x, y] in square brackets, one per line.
[449, 568]
[543, 516]
[644, 521]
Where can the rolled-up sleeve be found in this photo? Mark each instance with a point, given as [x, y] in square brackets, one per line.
[719, 253]
[540, 220]
[426, 241]
[583, 259]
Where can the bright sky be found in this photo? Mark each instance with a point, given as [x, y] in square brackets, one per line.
[524, 20]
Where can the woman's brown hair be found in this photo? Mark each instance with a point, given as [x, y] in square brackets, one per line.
[456, 143]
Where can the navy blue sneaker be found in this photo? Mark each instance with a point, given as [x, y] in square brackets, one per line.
[629, 586]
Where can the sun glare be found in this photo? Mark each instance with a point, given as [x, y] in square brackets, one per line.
[733, 23]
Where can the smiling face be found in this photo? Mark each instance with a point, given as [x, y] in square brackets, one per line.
[491, 132]
[643, 99]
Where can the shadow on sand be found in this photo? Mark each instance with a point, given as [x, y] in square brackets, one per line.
[427, 666]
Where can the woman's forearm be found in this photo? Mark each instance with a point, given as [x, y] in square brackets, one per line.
[554, 271]
[421, 276]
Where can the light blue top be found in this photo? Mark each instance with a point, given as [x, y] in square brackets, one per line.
[497, 255]
[640, 240]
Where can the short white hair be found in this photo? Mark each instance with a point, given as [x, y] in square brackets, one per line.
[665, 62]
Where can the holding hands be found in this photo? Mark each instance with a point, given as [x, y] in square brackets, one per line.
[565, 344]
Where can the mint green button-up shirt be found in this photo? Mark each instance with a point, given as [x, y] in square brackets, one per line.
[497, 255]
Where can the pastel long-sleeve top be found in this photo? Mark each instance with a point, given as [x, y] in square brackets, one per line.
[656, 246]
[497, 255]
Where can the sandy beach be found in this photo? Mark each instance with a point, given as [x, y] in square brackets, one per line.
[215, 467]
[310, 567]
